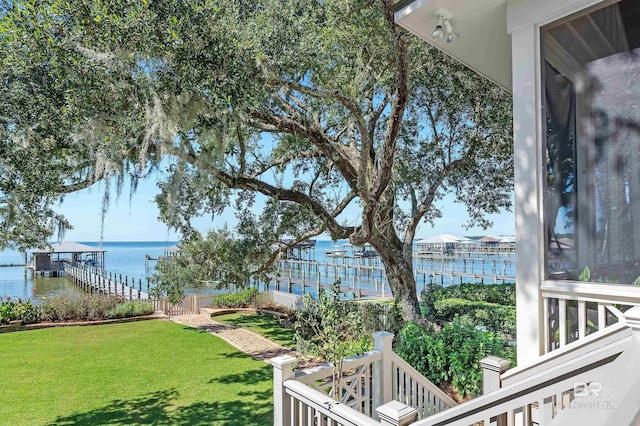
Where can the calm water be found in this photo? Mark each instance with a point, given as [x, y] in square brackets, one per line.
[126, 258]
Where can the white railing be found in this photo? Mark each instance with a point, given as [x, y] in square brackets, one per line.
[413, 389]
[191, 304]
[98, 280]
[312, 407]
[539, 394]
[575, 310]
[537, 400]
[368, 382]
[356, 383]
[603, 338]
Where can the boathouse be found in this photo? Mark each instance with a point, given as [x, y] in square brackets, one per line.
[50, 261]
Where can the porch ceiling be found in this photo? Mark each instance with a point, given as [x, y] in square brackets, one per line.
[484, 44]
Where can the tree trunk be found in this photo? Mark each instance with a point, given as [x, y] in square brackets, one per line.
[399, 272]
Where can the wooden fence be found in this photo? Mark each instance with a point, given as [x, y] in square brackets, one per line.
[191, 304]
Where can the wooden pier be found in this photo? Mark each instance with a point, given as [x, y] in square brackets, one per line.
[305, 285]
[369, 280]
[98, 280]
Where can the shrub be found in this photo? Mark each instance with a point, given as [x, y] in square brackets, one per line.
[418, 346]
[78, 307]
[7, 310]
[240, 299]
[451, 354]
[493, 316]
[28, 312]
[379, 316]
[129, 309]
[502, 294]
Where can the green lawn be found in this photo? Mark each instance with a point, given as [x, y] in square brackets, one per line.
[264, 325]
[143, 373]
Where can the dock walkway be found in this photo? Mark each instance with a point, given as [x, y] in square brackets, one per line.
[98, 280]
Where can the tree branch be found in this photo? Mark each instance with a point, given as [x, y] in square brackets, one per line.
[398, 106]
[376, 115]
[340, 155]
[348, 103]
[285, 160]
[252, 184]
[77, 186]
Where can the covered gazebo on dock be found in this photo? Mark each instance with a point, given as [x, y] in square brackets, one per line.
[50, 261]
[304, 250]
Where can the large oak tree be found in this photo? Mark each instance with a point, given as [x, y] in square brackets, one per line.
[317, 105]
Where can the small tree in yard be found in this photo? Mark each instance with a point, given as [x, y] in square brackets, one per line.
[217, 260]
[331, 329]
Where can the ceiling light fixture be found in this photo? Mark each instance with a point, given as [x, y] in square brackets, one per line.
[438, 33]
[444, 27]
[451, 35]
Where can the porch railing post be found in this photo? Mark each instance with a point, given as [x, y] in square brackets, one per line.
[382, 372]
[282, 370]
[492, 369]
[395, 413]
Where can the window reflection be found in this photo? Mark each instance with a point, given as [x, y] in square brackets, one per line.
[592, 98]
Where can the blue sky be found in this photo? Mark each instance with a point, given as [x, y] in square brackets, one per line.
[137, 220]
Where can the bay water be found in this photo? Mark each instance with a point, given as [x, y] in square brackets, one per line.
[128, 259]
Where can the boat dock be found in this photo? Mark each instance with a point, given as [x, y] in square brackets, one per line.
[98, 280]
[370, 278]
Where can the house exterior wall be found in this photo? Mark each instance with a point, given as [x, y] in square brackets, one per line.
[528, 193]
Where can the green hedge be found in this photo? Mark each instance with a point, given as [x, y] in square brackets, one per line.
[83, 307]
[66, 307]
[134, 308]
[452, 354]
[492, 315]
[240, 299]
[502, 294]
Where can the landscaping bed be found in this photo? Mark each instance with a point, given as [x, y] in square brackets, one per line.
[67, 310]
[462, 325]
[17, 325]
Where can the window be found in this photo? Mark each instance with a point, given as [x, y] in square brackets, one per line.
[591, 74]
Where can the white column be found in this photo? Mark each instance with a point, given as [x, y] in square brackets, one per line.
[282, 370]
[382, 372]
[529, 173]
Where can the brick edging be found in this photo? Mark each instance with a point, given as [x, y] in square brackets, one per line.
[41, 325]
